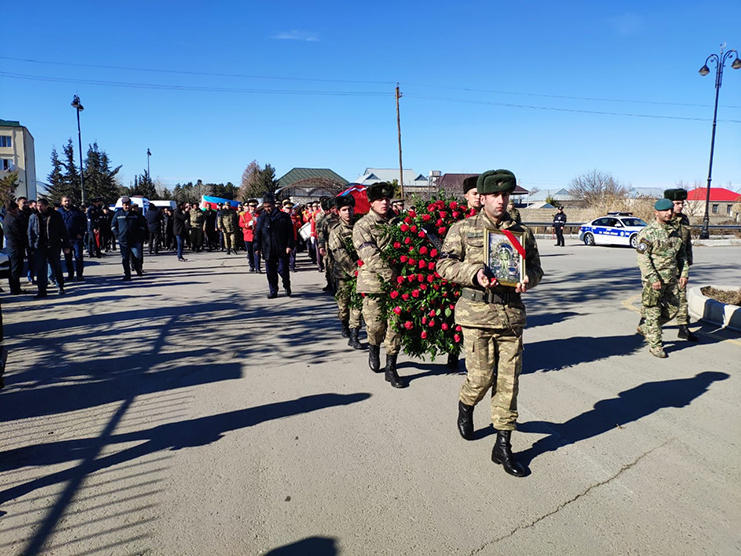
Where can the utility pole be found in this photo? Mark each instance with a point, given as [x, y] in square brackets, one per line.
[398, 127]
[79, 108]
[148, 155]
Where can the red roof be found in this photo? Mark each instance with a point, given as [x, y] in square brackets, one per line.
[716, 194]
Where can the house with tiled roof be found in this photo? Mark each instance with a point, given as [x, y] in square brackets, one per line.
[308, 184]
[724, 203]
[453, 185]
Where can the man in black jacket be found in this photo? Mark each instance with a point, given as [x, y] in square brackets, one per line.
[16, 239]
[154, 224]
[274, 241]
[129, 227]
[179, 219]
[46, 237]
[76, 224]
[559, 221]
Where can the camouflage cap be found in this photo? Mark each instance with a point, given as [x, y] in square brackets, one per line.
[469, 183]
[663, 204]
[496, 181]
[380, 190]
[344, 201]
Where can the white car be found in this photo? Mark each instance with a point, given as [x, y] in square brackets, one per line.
[613, 229]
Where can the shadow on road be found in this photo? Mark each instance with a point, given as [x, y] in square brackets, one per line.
[310, 546]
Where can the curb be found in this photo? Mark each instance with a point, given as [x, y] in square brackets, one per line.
[724, 315]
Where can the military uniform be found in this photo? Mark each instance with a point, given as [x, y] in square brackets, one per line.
[323, 229]
[661, 258]
[197, 221]
[228, 224]
[369, 241]
[492, 319]
[343, 271]
[514, 214]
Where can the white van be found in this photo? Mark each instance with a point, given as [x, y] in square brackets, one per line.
[164, 204]
[142, 202]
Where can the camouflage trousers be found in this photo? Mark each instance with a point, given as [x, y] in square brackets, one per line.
[683, 312]
[230, 241]
[659, 307]
[493, 359]
[378, 329]
[345, 312]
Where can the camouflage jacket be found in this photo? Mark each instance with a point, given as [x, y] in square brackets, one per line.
[515, 215]
[228, 221]
[345, 262]
[682, 223]
[661, 253]
[197, 218]
[370, 239]
[323, 226]
[461, 258]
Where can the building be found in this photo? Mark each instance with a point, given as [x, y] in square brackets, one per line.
[308, 184]
[556, 197]
[452, 184]
[17, 155]
[414, 182]
[724, 204]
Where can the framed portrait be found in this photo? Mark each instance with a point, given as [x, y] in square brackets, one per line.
[503, 257]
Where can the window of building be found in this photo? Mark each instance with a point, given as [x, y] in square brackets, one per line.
[5, 141]
[715, 208]
[728, 209]
[6, 164]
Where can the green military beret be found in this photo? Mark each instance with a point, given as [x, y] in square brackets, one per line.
[496, 181]
[469, 183]
[663, 204]
[344, 201]
[379, 190]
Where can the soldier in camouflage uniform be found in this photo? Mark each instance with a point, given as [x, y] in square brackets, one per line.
[514, 214]
[197, 228]
[324, 225]
[471, 194]
[661, 255]
[369, 240]
[344, 267]
[229, 224]
[682, 223]
[492, 316]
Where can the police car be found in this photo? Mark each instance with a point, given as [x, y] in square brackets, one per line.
[617, 228]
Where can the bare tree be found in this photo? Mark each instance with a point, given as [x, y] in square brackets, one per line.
[249, 177]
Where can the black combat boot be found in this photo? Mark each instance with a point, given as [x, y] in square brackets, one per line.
[391, 375]
[639, 329]
[354, 342]
[502, 454]
[374, 358]
[452, 364]
[465, 420]
[686, 334]
[345, 330]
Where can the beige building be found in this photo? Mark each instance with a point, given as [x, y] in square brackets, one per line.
[17, 155]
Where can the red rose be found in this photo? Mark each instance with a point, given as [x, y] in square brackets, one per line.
[423, 335]
[362, 295]
[435, 287]
[394, 294]
[408, 220]
[426, 217]
[443, 214]
[400, 279]
[412, 213]
[424, 320]
[432, 323]
[431, 266]
[456, 338]
[452, 307]
[441, 230]
[412, 277]
[444, 326]
[415, 293]
[423, 264]
[413, 229]
[397, 245]
[433, 253]
[421, 233]
[430, 207]
[408, 324]
[421, 277]
[439, 222]
[405, 296]
[423, 287]
[430, 277]
[407, 240]
[356, 273]
[397, 310]
[411, 261]
[453, 204]
[458, 328]
[432, 313]
[360, 263]
[423, 250]
[404, 228]
[456, 214]
[403, 258]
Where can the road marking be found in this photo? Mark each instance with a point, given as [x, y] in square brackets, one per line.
[629, 304]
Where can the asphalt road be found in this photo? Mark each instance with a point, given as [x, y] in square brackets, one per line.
[184, 413]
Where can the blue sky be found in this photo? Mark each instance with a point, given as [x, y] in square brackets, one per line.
[549, 90]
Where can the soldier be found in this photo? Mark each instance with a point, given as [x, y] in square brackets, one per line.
[514, 214]
[682, 223]
[471, 194]
[228, 224]
[197, 228]
[492, 316]
[559, 221]
[661, 258]
[323, 227]
[345, 264]
[369, 241]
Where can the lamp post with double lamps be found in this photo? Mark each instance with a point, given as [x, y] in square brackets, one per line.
[719, 60]
[79, 108]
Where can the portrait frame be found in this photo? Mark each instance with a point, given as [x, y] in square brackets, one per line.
[503, 259]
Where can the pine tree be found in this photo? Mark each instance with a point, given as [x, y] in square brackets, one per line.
[56, 188]
[71, 180]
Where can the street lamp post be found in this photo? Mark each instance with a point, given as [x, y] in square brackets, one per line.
[719, 60]
[148, 155]
[79, 108]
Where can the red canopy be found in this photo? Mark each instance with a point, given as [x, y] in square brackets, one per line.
[357, 190]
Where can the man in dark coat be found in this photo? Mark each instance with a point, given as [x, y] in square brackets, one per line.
[75, 222]
[179, 219]
[559, 221]
[94, 215]
[154, 224]
[16, 239]
[274, 241]
[129, 227]
[47, 236]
